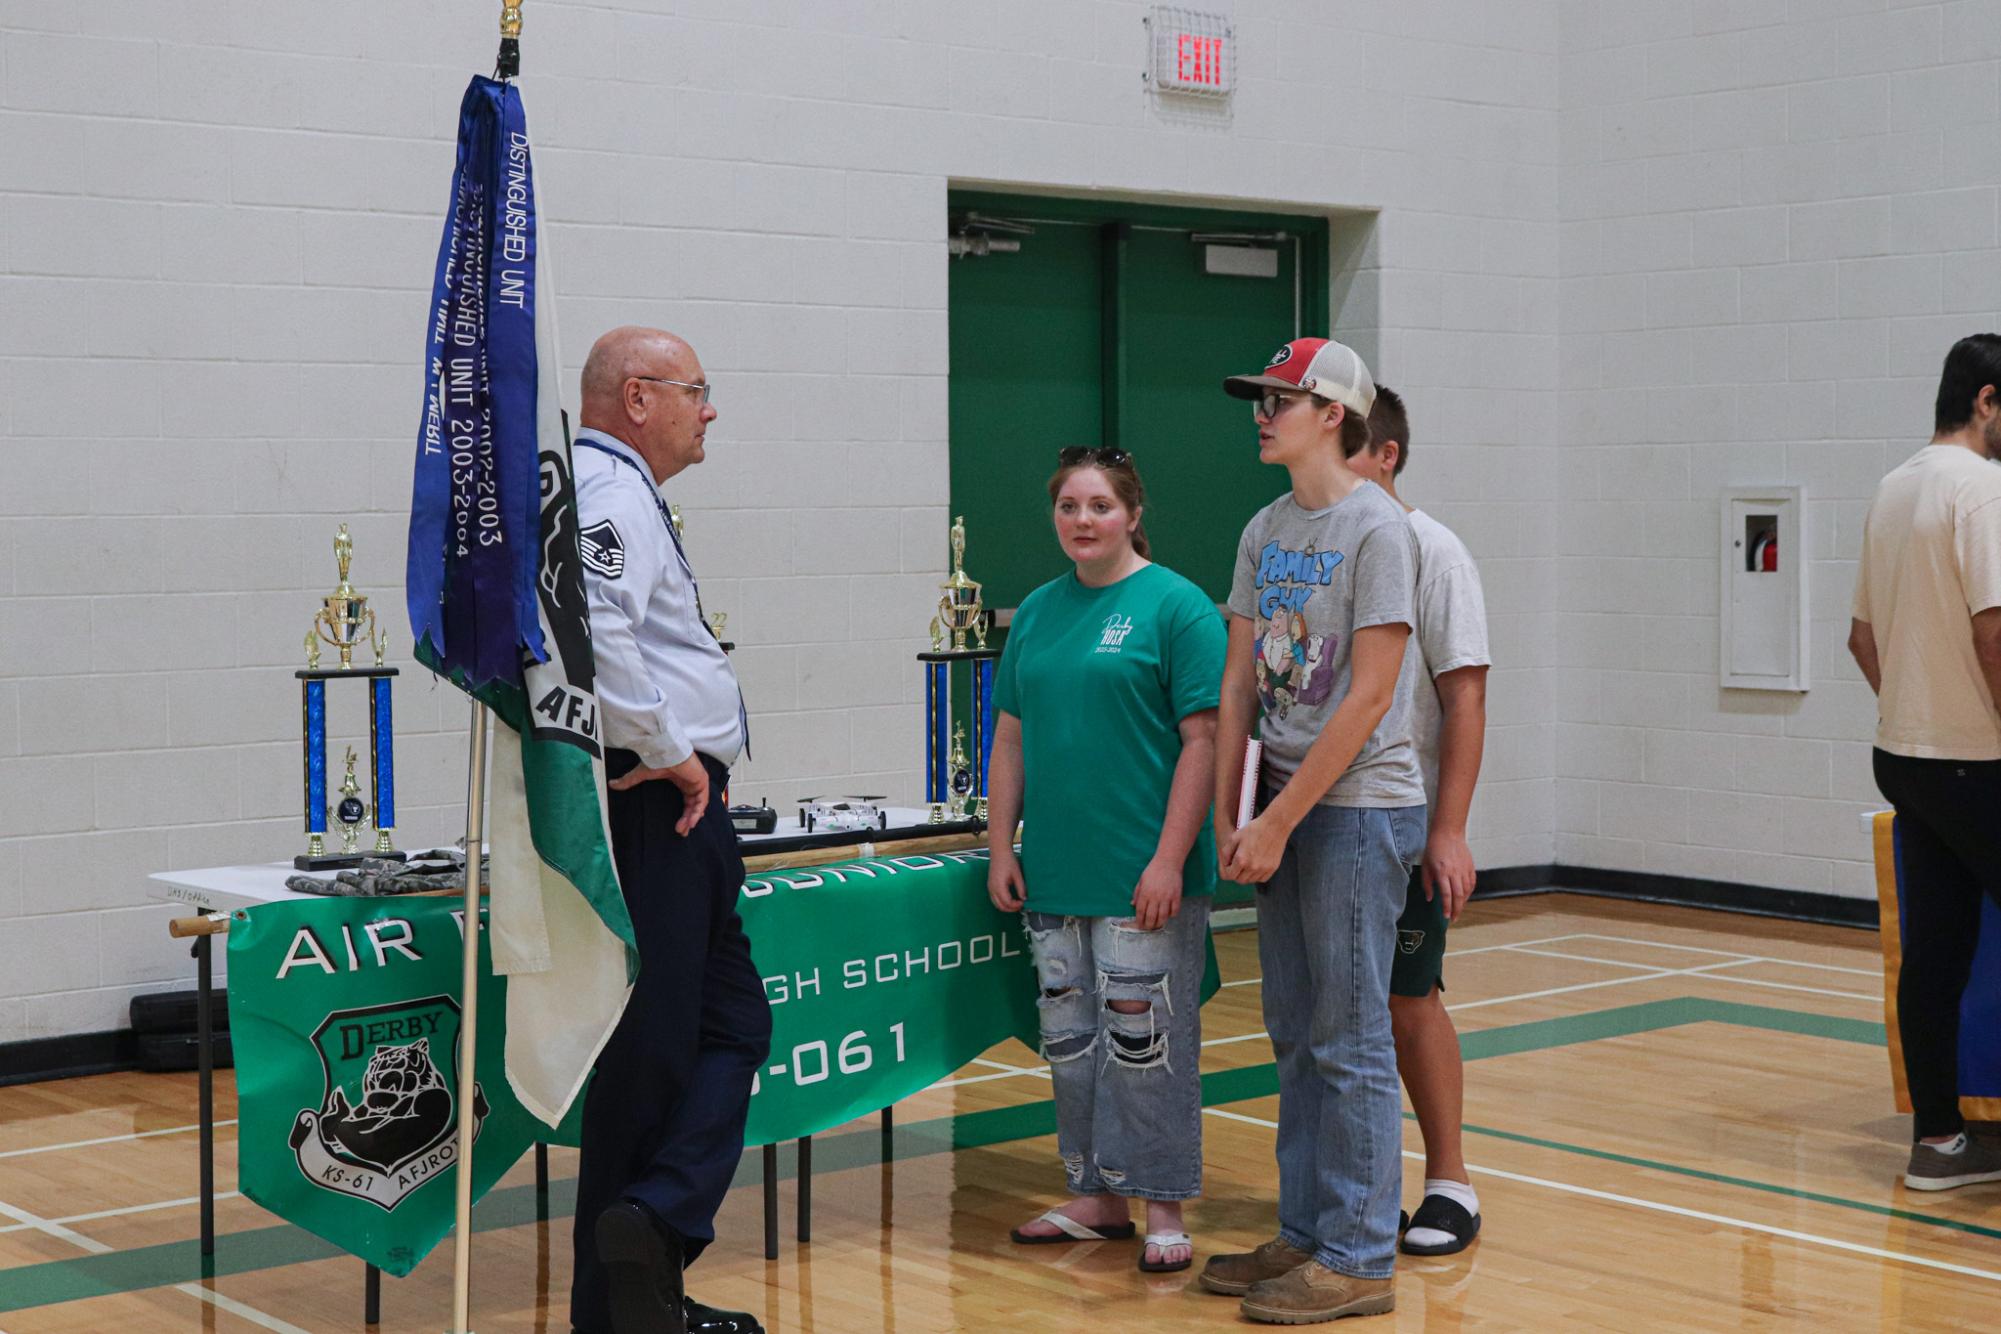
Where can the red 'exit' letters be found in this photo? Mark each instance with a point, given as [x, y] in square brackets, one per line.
[1198, 59]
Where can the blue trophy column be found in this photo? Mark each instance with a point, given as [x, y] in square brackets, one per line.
[937, 730]
[381, 750]
[314, 702]
[983, 719]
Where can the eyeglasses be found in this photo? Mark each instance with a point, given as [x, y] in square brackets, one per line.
[704, 389]
[1274, 403]
[1104, 456]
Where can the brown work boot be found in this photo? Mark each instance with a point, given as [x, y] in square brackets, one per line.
[1313, 1293]
[1233, 1275]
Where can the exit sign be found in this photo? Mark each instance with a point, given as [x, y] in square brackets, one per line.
[1193, 53]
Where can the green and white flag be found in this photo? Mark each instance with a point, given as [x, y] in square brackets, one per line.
[493, 531]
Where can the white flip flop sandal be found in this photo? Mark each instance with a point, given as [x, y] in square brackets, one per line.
[1072, 1230]
[1163, 1240]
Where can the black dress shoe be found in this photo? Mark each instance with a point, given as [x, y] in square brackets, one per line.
[642, 1259]
[708, 1320]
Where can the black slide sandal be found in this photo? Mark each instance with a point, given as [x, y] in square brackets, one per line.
[1442, 1214]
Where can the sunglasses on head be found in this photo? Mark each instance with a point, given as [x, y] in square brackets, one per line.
[1104, 456]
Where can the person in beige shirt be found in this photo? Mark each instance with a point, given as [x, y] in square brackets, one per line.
[1927, 635]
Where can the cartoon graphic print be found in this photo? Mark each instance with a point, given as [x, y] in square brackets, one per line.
[1294, 666]
[385, 1123]
[405, 1106]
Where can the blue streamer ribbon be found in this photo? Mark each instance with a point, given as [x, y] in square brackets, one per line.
[475, 503]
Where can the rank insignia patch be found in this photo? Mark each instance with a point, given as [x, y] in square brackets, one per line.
[603, 549]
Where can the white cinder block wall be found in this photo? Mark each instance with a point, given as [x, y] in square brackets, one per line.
[1776, 219]
[217, 226]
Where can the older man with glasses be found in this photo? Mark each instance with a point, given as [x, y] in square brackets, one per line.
[664, 1116]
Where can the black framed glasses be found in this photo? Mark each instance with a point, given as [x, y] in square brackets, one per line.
[1103, 456]
[703, 390]
[1273, 403]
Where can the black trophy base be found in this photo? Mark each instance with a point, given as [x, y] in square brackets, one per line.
[339, 861]
[958, 654]
[331, 673]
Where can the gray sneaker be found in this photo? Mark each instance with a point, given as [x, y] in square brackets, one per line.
[1979, 1161]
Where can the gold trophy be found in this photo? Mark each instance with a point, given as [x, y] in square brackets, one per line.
[342, 614]
[955, 784]
[959, 606]
[962, 775]
[345, 622]
[350, 810]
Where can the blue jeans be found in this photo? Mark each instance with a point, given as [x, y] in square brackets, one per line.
[1327, 931]
[1128, 1086]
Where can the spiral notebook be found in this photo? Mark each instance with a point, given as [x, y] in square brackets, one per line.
[1247, 795]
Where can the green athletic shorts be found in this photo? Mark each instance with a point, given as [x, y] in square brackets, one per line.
[1420, 958]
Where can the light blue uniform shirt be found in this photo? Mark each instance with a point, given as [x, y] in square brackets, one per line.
[666, 689]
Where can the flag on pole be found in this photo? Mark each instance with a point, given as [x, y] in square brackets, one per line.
[497, 606]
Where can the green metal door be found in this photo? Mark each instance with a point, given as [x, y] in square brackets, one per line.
[1026, 339]
[1104, 327]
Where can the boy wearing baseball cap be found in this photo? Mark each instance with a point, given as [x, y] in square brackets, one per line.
[1321, 608]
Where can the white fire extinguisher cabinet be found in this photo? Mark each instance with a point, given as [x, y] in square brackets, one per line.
[1764, 589]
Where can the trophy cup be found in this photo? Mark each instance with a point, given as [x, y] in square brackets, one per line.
[345, 623]
[959, 606]
[960, 613]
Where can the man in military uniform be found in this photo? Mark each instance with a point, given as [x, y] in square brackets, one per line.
[664, 1117]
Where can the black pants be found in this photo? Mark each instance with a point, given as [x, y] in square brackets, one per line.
[1949, 847]
[664, 1116]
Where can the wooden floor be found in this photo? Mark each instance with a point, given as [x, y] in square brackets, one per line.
[1677, 1120]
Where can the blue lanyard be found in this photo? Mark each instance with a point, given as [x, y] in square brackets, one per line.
[667, 520]
[661, 505]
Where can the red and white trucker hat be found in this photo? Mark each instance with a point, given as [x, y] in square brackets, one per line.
[1320, 366]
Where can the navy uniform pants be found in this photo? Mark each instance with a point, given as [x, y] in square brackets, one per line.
[664, 1116]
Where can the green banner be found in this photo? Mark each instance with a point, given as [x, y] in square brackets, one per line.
[346, 1019]
[884, 975]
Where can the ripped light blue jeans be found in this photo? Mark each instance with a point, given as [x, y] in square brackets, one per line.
[1128, 1086]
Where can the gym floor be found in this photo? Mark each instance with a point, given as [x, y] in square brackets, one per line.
[1676, 1120]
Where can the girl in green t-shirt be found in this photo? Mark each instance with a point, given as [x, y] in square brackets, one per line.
[1105, 743]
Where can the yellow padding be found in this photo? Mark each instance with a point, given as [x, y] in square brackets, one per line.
[1974, 1109]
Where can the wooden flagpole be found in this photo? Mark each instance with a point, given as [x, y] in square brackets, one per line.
[506, 65]
[469, 1025]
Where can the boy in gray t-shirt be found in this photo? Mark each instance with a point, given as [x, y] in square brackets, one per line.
[1321, 611]
[1449, 720]
[1307, 580]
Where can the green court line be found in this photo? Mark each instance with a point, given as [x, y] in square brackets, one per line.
[1746, 1183]
[142, 1267]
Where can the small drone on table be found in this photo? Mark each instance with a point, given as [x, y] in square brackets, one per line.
[834, 815]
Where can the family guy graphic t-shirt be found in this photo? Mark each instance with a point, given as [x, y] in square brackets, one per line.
[1307, 580]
